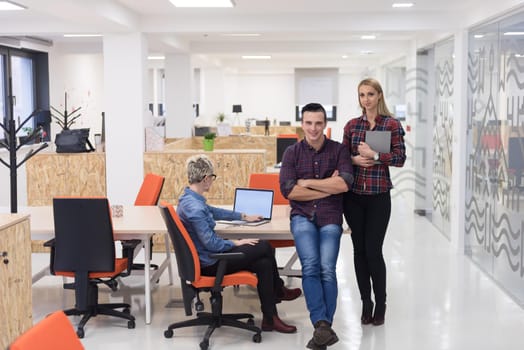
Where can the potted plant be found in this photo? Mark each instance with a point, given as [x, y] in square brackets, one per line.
[221, 117]
[209, 141]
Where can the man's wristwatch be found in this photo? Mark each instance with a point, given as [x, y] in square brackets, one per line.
[376, 156]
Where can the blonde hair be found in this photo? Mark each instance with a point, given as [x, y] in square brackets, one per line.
[382, 108]
[198, 167]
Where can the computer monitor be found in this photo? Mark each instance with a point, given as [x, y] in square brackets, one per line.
[282, 144]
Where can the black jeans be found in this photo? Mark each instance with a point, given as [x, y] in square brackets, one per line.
[260, 259]
[368, 218]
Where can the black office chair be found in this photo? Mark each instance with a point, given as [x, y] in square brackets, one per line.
[193, 283]
[84, 248]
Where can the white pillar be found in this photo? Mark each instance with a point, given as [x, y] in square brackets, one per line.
[125, 108]
[458, 174]
[212, 97]
[178, 108]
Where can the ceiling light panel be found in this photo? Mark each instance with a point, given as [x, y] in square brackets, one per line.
[403, 4]
[203, 3]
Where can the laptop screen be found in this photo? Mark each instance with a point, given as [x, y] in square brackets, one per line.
[254, 202]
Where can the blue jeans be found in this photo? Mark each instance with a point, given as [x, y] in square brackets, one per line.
[317, 248]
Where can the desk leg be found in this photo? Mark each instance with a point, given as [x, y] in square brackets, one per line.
[168, 258]
[288, 270]
[147, 280]
[42, 273]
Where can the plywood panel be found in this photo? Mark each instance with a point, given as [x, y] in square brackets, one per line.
[15, 281]
[72, 174]
[237, 164]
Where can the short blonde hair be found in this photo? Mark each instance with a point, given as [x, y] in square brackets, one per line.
[198, 167]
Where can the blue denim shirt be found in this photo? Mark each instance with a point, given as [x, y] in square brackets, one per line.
[199, 219]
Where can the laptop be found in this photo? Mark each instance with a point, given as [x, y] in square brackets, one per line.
[253, 201]
[379, 141]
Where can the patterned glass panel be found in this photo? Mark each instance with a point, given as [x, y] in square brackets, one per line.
[442, 135]
[495, 161]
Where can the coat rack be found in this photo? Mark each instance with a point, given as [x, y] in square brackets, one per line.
[13, 146]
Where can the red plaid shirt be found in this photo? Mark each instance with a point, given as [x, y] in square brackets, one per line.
[375, 179]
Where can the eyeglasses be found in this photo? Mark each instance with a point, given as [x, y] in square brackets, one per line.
[213, 176]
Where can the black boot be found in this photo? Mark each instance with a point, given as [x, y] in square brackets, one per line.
[367, 312]
[379, 315]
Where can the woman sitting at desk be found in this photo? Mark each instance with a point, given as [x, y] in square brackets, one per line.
[199, 219]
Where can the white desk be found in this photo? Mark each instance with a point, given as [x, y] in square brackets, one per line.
[138, 222]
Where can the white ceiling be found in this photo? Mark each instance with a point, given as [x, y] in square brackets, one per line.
[294, 32]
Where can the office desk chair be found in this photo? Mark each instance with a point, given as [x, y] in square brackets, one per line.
[270, 181]
[193, 283]
[54, 332]
[84, 248]
[149, 194]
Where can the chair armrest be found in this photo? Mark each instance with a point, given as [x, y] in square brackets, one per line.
[226, 256]
[128, 251]
[51, 244]
[221, 269]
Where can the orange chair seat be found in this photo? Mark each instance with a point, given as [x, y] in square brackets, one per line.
[232, 279]
[54, 332]
[120, 265]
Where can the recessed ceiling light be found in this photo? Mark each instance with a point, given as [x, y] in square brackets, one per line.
[402, 4]
[368, 37]
[344, 56]
[203, 3]
[256, 57]
[156, 57]
[241, 34]
[10, 6]
[82, 35]
[366, 52]
[519, 55]
[478, 36]
[514, 33]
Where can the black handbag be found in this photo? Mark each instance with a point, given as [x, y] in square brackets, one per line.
[73, 141]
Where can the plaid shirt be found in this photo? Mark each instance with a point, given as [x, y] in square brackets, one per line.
[301, 161]
[375, 179]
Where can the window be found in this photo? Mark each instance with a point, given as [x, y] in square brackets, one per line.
[24, 88]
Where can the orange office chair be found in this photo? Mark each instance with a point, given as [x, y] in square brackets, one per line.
[193, 283]
[54, 332]
[270, 181]
[84, 248]
[149, 194]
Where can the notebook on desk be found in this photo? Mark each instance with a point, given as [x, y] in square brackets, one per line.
[251, 201]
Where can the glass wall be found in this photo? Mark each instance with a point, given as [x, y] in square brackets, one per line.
[494, 216]
[442, 134]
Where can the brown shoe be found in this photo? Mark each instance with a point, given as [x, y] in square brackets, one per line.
[288, 294]
[277, 325]
[324, 334]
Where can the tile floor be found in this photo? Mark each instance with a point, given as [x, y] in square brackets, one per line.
[437, 299]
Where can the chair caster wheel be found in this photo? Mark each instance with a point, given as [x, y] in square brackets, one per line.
[131, 324]
[199, 306]
[204, 345]
[250, 322]
[80, 333]
[168, 334]
[257, 338]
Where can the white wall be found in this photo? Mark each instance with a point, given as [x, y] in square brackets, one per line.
[81, 75]
[261, 95]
